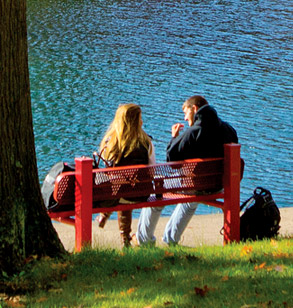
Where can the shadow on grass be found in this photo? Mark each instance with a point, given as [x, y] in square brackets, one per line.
[255, 274]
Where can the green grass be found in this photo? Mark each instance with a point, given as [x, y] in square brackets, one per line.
[258, 274]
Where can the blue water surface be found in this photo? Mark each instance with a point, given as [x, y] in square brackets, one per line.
[86, 57]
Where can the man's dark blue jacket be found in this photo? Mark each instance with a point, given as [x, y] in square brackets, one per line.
[205, 138]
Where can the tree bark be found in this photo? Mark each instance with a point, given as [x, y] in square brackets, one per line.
[25, 228]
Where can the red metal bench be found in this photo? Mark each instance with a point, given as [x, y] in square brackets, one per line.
[161, 184]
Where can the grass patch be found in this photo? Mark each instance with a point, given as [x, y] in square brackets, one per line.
[258, 274]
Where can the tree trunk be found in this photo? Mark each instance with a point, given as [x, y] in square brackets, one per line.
[25, 228]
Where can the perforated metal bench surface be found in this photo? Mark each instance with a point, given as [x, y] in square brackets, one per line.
[145, 180]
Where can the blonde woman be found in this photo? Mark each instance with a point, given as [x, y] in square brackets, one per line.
[126, 143]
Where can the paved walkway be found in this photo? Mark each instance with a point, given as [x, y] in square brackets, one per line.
[202, 230]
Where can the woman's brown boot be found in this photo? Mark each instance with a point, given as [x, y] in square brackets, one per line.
[102, 219]
[124, 223]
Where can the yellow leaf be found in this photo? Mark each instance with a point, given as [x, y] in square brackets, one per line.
[225, 278]
[280, 255]
[274, 243]
[169, 254]
[131, 290]
[257, 267]
[246, 250]
[269, 268]
[99, 295]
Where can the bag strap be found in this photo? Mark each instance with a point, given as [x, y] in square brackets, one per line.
[247, 202]
[264, 193]
[100, 157]
[259, 191]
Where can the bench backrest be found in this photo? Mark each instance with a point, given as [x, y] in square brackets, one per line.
[143, 180]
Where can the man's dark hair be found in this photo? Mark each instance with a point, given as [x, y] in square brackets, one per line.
[196, 100]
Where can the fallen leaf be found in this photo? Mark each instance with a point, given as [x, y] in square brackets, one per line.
[13, 303]
[274, 243]
[30, 259]
[168, 303]
[169, 254]
[280, 255]
[59, 266]
[225, 278]
[201, 291]
[57, 291]
[246, 250]
[269, 268]
[42, 299]
[257, 267]
[100, 295]
[131, 290]
[46, 258]
[191, 258]
[114, 274]
[158, 266]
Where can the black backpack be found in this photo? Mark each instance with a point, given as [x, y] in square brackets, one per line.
[49, 183]
[261, 217]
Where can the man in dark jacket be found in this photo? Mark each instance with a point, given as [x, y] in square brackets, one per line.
[204, 138]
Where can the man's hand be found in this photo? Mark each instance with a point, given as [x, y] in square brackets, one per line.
[176, 128]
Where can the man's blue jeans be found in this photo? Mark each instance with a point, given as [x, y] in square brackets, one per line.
[176, 225]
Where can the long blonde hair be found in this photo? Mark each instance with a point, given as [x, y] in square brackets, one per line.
[124, 134]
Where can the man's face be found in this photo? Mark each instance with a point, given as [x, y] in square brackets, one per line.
[189, 114]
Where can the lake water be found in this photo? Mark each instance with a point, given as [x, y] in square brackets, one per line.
[87, 57]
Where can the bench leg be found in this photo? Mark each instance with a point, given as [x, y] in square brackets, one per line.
[232, 193]
[83, 202]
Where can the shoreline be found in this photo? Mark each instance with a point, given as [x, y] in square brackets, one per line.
[202, 230]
